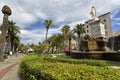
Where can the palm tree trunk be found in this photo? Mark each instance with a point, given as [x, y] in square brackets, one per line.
[46, 33]
[12, 44]
[69, 45]
[78, 42]
[9, 43]
[53, 49]
[3, 35]
[48, 46]
[13, 50]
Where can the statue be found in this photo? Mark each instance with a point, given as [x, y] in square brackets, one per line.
[94, 13]
[7, 12]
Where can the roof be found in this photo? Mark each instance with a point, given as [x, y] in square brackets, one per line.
[104, 14]
[98, 17]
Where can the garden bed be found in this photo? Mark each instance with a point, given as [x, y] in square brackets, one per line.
[47, 68]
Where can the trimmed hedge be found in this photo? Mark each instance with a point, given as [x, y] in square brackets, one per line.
[90, 62]
[43, 69]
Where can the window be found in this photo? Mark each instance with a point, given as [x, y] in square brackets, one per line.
[87, 26]
[104, 20]
[87, 31]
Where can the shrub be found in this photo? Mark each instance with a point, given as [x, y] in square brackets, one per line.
[29, 57]
[43, 69]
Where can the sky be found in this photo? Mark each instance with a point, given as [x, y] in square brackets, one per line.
[29, 15]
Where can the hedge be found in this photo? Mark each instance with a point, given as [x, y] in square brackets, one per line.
[42, 69]
[91, 62]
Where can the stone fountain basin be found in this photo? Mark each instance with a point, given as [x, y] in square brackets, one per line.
[100, 55]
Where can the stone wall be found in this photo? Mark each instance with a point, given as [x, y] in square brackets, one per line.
[111, 56]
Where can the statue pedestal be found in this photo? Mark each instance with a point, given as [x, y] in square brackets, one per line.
[94, 45]
[98, 40]
[97, 29]
[102, 44]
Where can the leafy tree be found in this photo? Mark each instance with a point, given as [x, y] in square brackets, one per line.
[47, 24]
[22, 47]
[40, 48]
[56, 42]
[79, 29]
[32, 45]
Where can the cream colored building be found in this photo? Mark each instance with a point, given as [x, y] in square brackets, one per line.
[73, 44]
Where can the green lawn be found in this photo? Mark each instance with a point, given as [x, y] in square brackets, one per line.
[112, 63]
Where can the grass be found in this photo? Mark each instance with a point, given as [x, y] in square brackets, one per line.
[112, 63]
[108, 63]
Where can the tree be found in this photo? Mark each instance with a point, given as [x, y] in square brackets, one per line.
[40, 48]
[65, 31]
[47, 24]
[16, 42]
[7, 12]
[56, 42]
[14, 39]
[22, 47]
[70, 37]
[79, 29]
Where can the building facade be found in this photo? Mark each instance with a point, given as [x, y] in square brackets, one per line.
[116, 41]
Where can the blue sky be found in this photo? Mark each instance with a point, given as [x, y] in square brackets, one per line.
[30, 14]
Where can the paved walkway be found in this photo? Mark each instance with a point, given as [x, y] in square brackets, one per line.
[9, 68]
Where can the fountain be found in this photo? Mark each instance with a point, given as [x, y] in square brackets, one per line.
[95, 46]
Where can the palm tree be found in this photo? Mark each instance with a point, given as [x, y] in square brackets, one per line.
[79, 29]
[65, 31]
[7, 12]
[47, 24]
[13, 30]
[70, 37]
[16, 43]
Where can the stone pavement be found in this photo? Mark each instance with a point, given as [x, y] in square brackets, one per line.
[9, 68]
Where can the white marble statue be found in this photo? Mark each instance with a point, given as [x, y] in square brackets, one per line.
[94, 13]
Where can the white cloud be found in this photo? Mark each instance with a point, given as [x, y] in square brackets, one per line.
[117, 19]
[34, 36]
[26, 12]
[114, 13]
